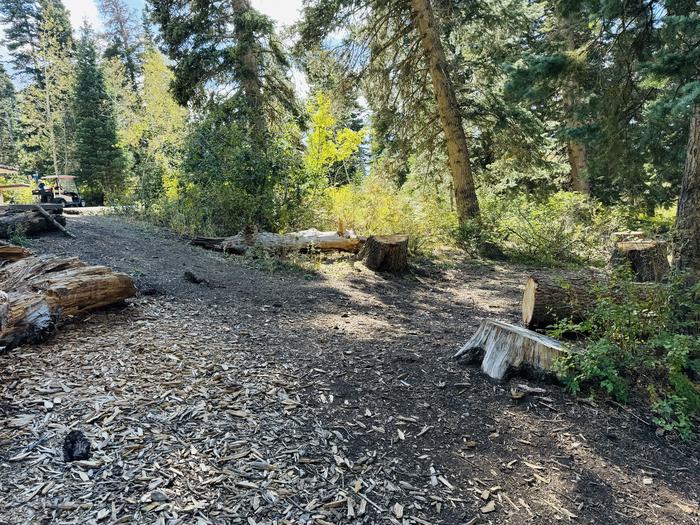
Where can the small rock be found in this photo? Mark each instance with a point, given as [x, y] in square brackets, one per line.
[647, 481]
[489, 507]
[76, 447]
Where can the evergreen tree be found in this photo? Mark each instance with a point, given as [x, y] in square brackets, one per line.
[123, 36]
[100, 161]
[8, 119]
[20, 19]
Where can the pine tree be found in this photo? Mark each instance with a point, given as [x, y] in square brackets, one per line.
[399, 45]
[100, 161]
[20, 19]
[123, 36]
[8, 119]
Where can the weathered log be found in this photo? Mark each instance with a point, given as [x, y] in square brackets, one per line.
[28, 220]
[10, 252]
[547, 300]
[647, 259]
[505, 350]
[387, 252]
[209, 243]
[41, 293]
[53, 221]
[301, 241]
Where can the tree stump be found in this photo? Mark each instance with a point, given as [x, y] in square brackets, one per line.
[506, 350]
[385, 253]
[647, 258]
[547, 300]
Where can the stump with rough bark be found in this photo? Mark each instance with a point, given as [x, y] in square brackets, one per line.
[648, 259]
[385, 253]
[505, 350]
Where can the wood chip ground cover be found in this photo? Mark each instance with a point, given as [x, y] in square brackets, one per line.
[262, 398]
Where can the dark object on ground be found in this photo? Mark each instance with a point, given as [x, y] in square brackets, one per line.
[506, 350]
[385, 253]
[190, 277]
[28, 220]
[491, 250]
[647, 258]
[76, 447]
[41, 292]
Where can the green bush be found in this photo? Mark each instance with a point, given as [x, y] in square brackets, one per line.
[641, 341]
[564, 228]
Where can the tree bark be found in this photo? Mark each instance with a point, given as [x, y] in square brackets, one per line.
[648, 259]
[577, 164]
[547, 300]
[386, 252]
[687, 241]
[505, 350]
[457, 148]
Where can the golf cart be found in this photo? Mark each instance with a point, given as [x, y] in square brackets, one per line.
[60, 189]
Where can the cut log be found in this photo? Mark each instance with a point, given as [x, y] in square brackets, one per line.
[302, 241]
[387, 252]
[505, 350]
[648, 259]
[28, 220]
[548, 300]
[10, 252]
[41, 293]
[209, 243]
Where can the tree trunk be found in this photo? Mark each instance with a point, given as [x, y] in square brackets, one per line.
[577, 163]
[457, 149]
[17, 220]
[388, 253]
[687, 241]
[280, 244]
[648, 259]
[506, 350]
[252, 87]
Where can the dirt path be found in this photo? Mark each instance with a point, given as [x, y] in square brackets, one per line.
[271, 398]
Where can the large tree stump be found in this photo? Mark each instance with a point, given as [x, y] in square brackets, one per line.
[385, 253]
[547, 300]
[505, 350]
[648, 259]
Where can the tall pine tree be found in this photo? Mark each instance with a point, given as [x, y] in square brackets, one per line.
[100, 161]
[8, 119]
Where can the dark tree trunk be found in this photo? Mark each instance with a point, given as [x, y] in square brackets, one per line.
[448, 109]
[687, 245]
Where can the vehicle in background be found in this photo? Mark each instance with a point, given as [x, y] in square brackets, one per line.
[59, 189]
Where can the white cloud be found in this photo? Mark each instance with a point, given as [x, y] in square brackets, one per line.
[83, 10]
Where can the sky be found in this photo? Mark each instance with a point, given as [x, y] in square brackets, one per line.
[284, 12]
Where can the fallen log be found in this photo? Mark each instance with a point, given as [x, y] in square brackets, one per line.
[10, 252]
[209, 243]
[548, 300]
[648, 259]
[280, 244]
[387, 252]
[505, 350]
[28, 220]
[53, 221]
[42, 292]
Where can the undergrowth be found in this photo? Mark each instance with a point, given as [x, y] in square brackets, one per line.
[641, 339]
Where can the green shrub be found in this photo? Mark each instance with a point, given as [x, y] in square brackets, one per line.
[641, 341]
[564, 228]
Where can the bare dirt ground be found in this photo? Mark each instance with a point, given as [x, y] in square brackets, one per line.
[283, 398]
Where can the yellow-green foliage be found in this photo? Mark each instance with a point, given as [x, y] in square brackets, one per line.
[326, 144]
[375, 206]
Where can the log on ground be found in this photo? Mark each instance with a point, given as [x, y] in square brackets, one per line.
[505, 350]
[547, 300]
[648, 259]
[302, 241]
[41, 293]
[27, 220]
[385, 253]
[10, 252]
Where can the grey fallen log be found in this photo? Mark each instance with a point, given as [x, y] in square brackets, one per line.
[505, 350]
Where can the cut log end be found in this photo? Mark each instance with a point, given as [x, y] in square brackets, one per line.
[385, 253]
[506, 350]
[529, 297]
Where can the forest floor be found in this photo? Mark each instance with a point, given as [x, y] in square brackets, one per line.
[263, 397]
